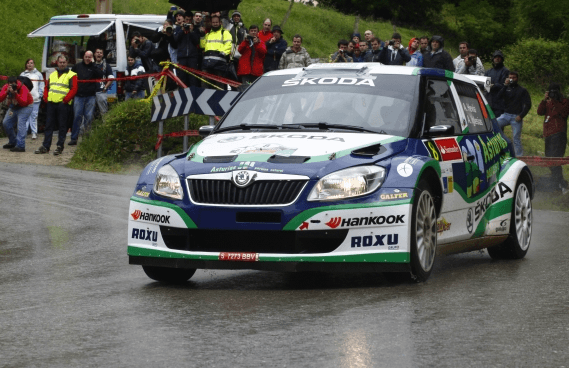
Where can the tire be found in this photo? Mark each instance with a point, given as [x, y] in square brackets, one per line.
[169, 275]
[423, 233]
[517, 244]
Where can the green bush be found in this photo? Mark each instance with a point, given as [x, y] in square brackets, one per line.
[126, 136]
[539, 61]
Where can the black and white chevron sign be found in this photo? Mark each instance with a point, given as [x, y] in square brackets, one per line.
[194, 100]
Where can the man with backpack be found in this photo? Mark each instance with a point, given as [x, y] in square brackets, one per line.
[20, 103]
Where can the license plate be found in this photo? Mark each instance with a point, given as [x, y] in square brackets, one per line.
[239, 256]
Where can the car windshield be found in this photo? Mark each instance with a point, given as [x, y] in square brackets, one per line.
[379, 103]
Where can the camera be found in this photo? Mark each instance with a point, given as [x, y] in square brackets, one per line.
[14, 87]
[136, 41]
[472, 60]
[186, 25]
[341, 51]
[251, 38]
[554, 95]
[169, 29]
[391, 42]
[511, 80]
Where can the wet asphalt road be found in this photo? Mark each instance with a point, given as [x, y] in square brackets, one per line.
[69, 298]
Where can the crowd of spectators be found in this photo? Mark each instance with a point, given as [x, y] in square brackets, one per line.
[221, 44]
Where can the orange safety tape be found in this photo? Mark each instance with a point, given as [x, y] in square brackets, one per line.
[544, 161]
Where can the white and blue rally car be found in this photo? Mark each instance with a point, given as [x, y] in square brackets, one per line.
[360, 167]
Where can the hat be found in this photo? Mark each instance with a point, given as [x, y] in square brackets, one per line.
[277, 28]
[357, 35]
[235, 13]
[498, 53]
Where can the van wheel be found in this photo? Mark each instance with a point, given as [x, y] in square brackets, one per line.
[169, 275]
[517, 244]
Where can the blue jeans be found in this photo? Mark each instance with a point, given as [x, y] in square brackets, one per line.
[33, 119]
[19, 116]
[83, 109]
[129, 95]
[510, 119]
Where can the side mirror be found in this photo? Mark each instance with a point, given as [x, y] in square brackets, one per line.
[205, 130]
[439, 130]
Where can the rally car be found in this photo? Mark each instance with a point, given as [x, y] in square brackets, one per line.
[361, 167]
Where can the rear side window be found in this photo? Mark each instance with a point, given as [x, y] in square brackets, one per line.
[440, 108]
[477, 117]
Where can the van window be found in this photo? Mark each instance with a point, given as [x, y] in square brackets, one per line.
[74, 47]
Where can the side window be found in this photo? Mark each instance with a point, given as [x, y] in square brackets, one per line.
[440, 108]
[477, 117]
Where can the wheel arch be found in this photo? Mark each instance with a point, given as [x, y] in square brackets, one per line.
[433, 178]
[527, 177]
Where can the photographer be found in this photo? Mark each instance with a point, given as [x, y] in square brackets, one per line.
[341, 56]
[164, 38]
[517, 103]
[276, 47]
[555, 108]
[394, 53]
[133, 88]
[471, 64]
[20, 102]
[142, 47]
[252, 52]
[188, 41]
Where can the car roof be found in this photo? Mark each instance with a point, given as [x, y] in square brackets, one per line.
[372, 68]
[100, 17]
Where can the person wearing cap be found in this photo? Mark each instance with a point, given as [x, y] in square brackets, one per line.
[356, 38]
[358, 55]
[276, 46]
[238, 33]
[394, 53]
[498, 74]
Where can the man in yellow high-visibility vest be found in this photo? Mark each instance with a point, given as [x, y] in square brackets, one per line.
[217, 48]
[59, 93]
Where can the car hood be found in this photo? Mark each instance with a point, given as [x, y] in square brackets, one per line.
[314, 146]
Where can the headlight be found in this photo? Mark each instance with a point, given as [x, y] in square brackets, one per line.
[348, 183]
[167, 183]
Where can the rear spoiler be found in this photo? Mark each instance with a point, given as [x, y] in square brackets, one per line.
[482, 82]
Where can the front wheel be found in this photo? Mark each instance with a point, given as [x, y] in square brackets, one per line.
[517, 244]
[169, 275]
[423, 233]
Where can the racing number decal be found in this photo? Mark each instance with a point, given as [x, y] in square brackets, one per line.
[433, 150]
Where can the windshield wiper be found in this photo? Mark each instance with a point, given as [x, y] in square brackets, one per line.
[324, 125]
[247, 127]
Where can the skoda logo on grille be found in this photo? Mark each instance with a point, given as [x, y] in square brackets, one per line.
[243, 178]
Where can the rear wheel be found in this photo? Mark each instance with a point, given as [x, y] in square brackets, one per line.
[169, 275]
[423, 233]
[521, 220]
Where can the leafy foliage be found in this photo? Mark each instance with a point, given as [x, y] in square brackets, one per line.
[539, 61]
[126, 135]
[542, 18]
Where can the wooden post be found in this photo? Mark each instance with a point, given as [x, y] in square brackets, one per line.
[104, 7]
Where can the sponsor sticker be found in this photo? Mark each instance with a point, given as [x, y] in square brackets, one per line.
[150, 217]
[448, 184]
[449, 149]
[329, 80]
[145, 234]
[374, 240]
[142, 193]
[364, 221]
[405, 170]
[239, 256]
[394, 196]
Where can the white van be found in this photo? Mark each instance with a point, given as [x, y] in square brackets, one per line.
[72, 35]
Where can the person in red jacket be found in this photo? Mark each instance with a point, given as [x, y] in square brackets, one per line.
[555, 108]
[266, 33]
[253, 53]
[20, 102]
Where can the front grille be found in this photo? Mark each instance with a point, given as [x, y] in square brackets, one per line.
[258, 241]
[224, 192]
